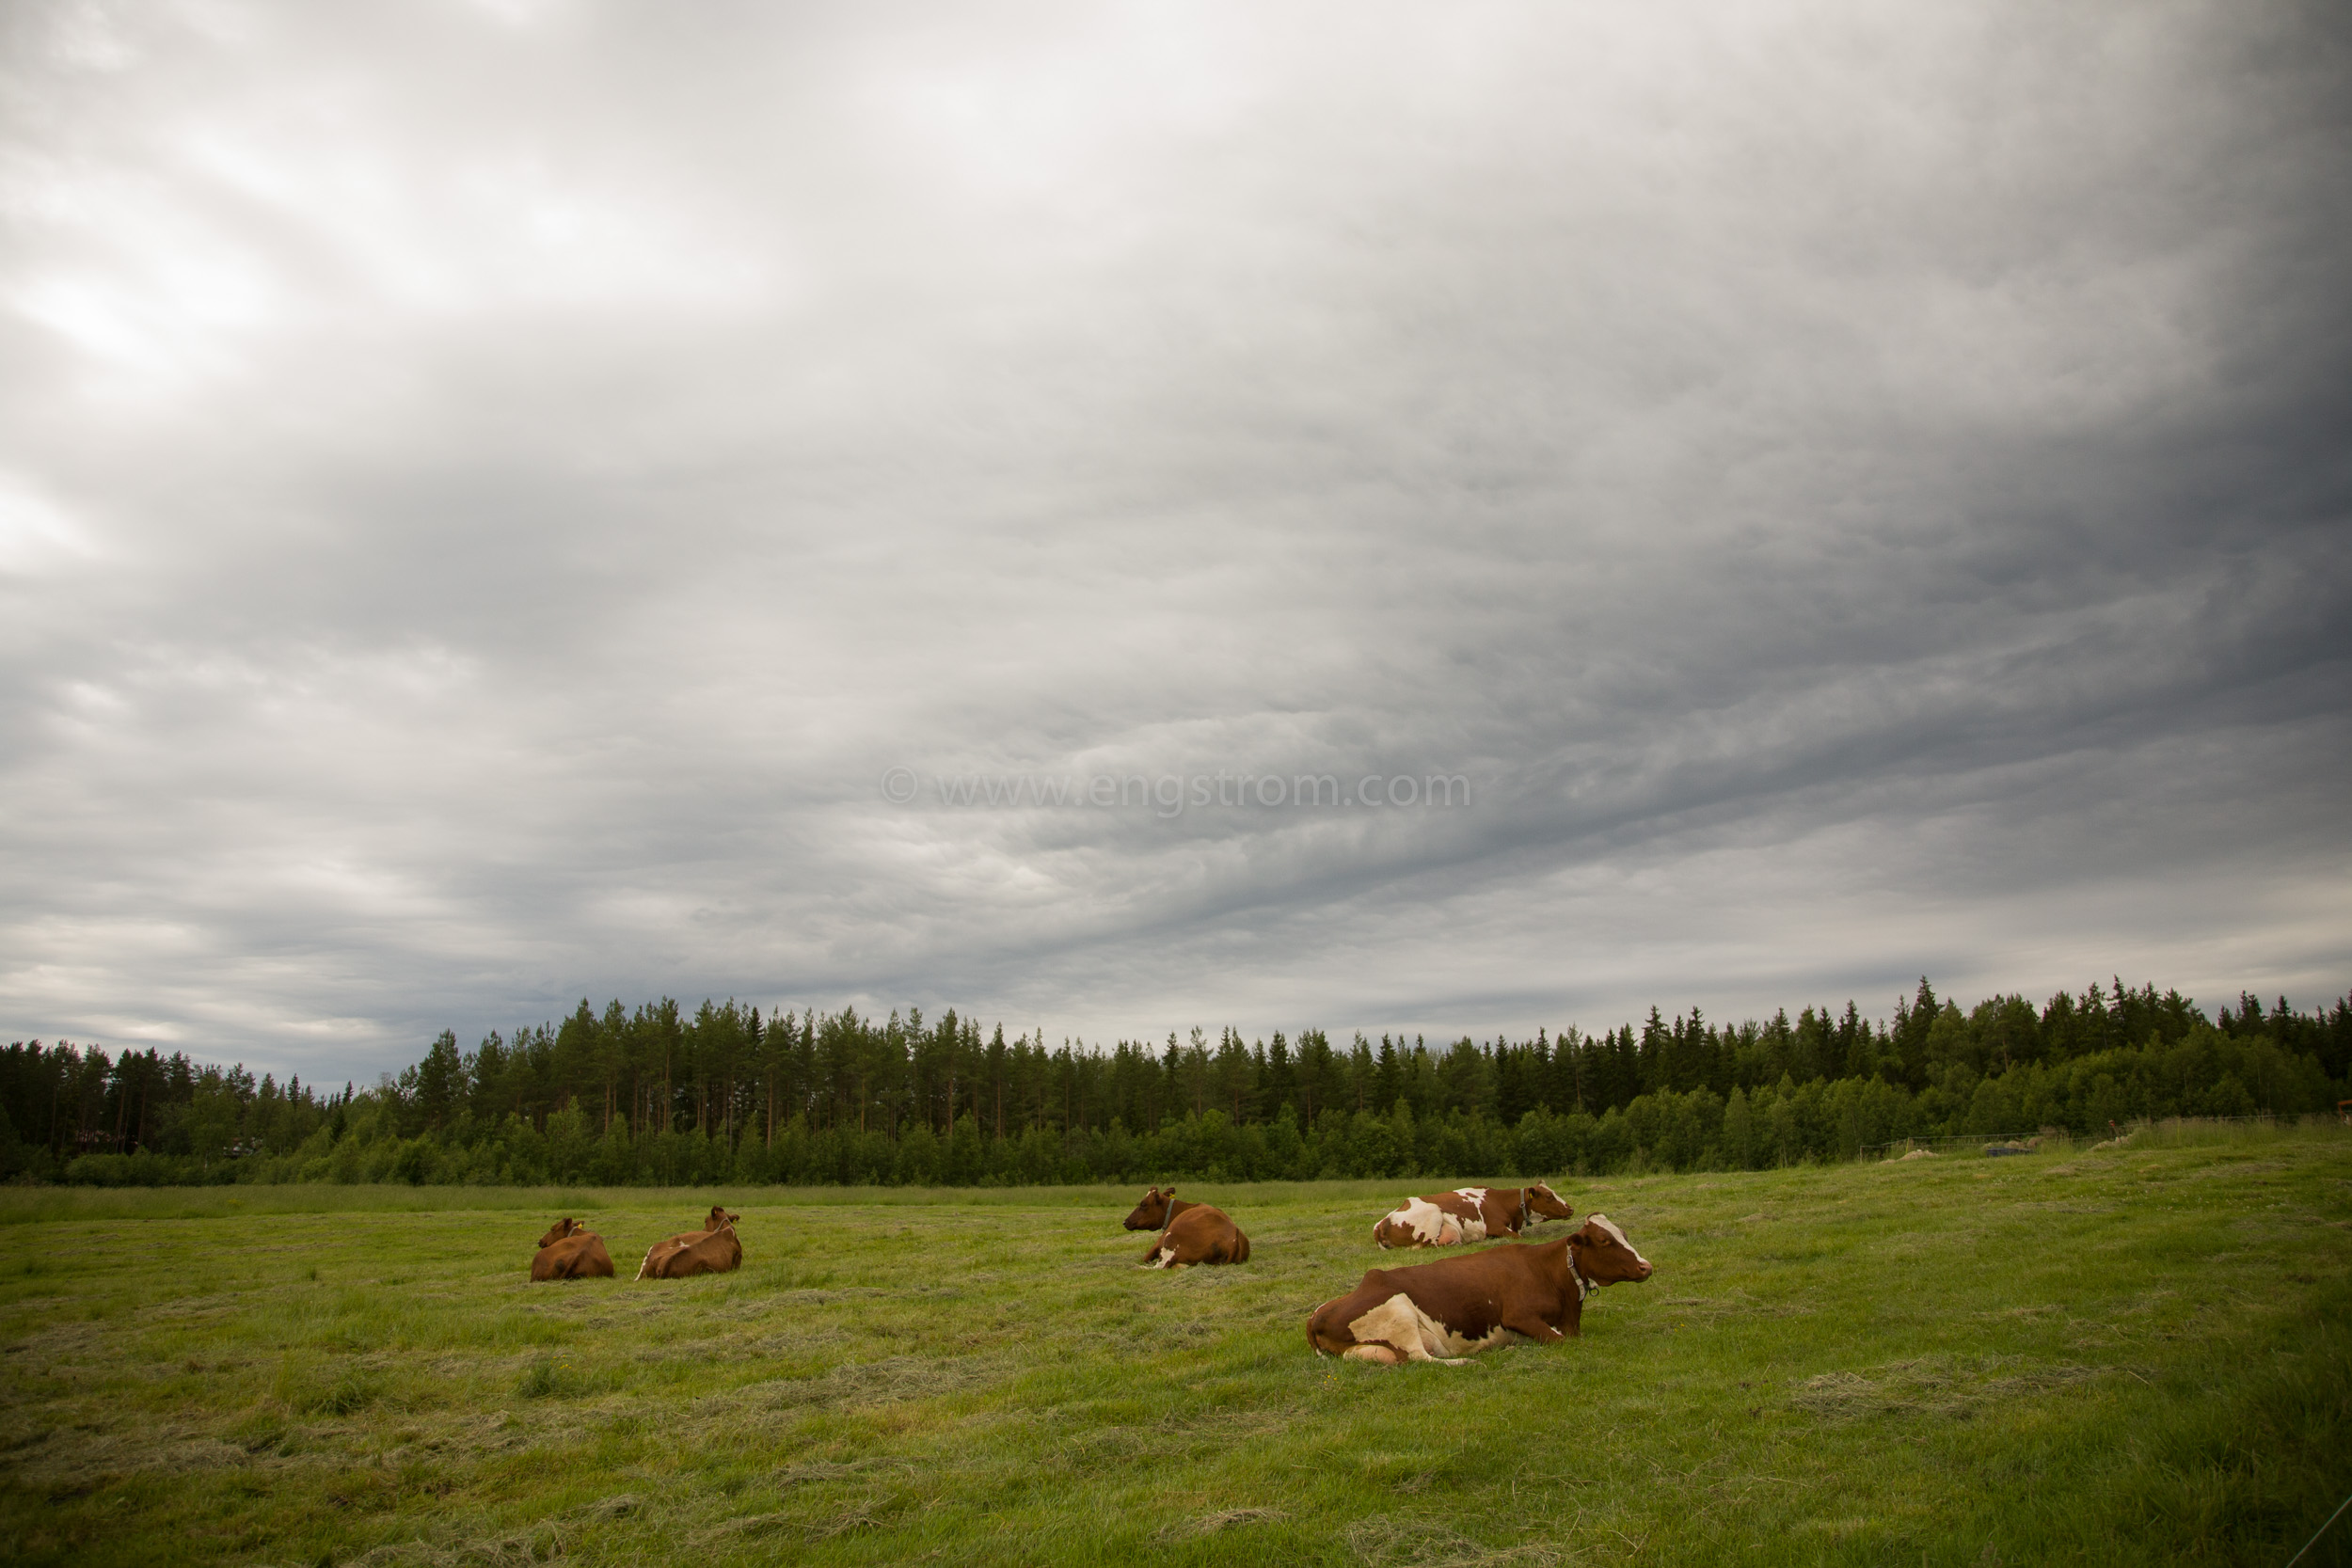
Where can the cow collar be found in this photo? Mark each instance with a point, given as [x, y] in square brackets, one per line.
[1576, 1272]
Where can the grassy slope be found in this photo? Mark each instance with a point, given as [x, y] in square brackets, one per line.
[2121, 1357]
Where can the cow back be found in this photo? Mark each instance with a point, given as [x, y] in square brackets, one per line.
[580, 1254]
[1199, 1234]
[718, 1252]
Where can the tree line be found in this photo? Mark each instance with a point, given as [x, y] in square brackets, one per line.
[729, 1095]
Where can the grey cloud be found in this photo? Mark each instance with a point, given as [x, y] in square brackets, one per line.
[487, 496]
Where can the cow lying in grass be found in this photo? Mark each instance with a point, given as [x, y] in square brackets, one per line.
[654, 1255]
[571, 1251]
[1452, 1309]
[1469, 1215]
[1190, 1232]
[712, 1252]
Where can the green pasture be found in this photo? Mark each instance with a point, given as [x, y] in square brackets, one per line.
[2126, 1356]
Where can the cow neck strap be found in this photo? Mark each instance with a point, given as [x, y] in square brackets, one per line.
[1576, 1272]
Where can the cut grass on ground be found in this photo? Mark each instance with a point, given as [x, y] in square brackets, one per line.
[2131, 1356]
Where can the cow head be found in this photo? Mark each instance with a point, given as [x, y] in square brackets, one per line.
[1151, 1213]
[1545, 1204]
[565, 1227]
[1604, 1256]
[719, 1216]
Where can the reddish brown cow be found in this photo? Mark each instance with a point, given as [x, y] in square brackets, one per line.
[1190, 1232]
[1452, 1309]
[1469, 1215]
[1157, 1209]
[649, 1269]
[715, 1251]
[571, 1251]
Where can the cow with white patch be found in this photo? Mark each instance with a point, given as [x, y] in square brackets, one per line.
[713, 1252]
[1469, 1215]
[1452, 1309]
[652, 1268]
[1190, 1232]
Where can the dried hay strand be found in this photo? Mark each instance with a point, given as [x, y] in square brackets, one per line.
[863, 1514]
[1106, 1445]
[1930, 1386]
[1381, 1542]
[1735, 1303]
[749, 1528]
[76, 1455]
[816, 1472]
[898, 1378]
[859, 1384]
[1225, 1519]
[768, 1407]
[544, 1541]
[541, 1543]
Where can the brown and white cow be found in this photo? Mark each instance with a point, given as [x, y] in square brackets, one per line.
[1469, 1215]
[570, 1250]
[1190, 1232]
[713, 1252]
[718, 1217]
[1452, 1309]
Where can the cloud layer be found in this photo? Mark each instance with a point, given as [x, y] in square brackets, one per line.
[485, 494]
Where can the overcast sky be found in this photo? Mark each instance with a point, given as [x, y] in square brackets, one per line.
[489, 493]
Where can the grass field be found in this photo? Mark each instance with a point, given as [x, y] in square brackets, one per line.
[2130, 1357]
